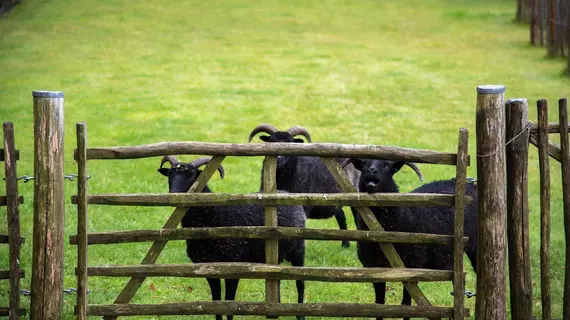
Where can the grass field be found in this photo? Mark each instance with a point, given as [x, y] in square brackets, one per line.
[398, 73]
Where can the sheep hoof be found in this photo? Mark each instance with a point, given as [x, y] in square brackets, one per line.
[345, 244]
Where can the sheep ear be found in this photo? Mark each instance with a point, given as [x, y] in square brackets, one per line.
[264, 138]
[164, 171]
[298, 140]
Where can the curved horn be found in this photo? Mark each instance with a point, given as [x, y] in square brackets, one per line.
[170, 159]
[416, 169]
[265, 127]
[202, 161]
[296, 130]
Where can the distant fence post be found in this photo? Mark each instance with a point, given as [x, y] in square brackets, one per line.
[47, 262]
[491, 252]
[516, 111]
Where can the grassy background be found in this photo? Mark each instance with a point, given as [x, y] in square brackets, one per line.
[398, 73]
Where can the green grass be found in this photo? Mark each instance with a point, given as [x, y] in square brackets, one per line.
[398, 73]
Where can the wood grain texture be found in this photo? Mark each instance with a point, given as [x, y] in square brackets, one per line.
[459, 224]
[275, 309]
[491, 180]
[273, 199]
[267, 233]
[233, 270]
[273, 149]
[271, 246]
[565, 163]
[173, 221]
[13, 217]
[49, 208]
[516, 111]
[82, 222]
[544, 168]
[552, 127]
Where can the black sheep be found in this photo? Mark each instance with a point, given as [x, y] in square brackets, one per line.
[301, 174]
[181, 176]
[377, 176]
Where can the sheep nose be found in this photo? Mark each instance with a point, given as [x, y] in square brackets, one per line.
[372, 170]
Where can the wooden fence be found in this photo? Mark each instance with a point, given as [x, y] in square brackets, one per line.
[539, 137]
[549, 24]
[272, 233]
[10, 155]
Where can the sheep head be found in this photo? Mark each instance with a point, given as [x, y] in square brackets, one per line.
[280, 136]
[377, 175]
[181, 175]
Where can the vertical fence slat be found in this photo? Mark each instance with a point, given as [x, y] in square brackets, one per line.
[271, 246]
[154, 252]
[49, 207]
[13, 218]
[543, 160]
[516, 111]
[459, 224]
[491, 251]
[565, 163]
[82, 222]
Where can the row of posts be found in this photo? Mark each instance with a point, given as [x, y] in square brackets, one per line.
[48, 239]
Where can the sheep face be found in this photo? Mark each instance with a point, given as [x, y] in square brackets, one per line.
[280, 136]
[180, 175]
[377, 175]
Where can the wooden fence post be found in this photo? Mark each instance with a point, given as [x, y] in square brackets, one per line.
[271, 246]
[13, 219]
[491, 266]
[82, 250]
[544, 163]
[47, 261]
[565, 163]
[517, 130]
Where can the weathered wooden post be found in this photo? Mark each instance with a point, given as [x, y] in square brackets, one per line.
[517, 130]
[47, 261]
[491, 266]
[271, 246]
[82, 250]
[544, 167]
[10, 158]
[565, 163]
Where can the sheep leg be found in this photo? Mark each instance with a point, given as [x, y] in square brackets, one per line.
[341, 220]
[231, 288]
[216, 289]
[406, 299]
[380, 290]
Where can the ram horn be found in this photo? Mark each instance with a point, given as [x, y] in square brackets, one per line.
[346, 162]
[202, 161]
[170, 159]
[296, 130]
[416, 169]
[265, 127]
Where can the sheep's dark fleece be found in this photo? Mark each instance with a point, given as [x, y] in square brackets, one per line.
[299, 174]
[377, 176]
[180, 177]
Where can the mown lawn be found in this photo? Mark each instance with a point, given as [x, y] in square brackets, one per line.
[398, 73]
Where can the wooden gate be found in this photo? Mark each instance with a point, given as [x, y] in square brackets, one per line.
[270, 232]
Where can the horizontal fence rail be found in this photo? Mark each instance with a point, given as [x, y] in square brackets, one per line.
[5, 239]
[266, 233]
[271, 309]
[230, 270]
[16, 153]
[4, 202]
[272, 149]
[283, 199]
[552, 127]
[5, 274]
[4, 311]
